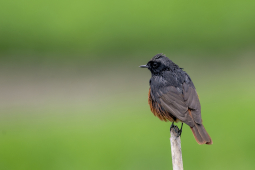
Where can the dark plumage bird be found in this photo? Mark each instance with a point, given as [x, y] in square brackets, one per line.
[173, 97]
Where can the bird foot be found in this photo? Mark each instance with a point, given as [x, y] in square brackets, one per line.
[172, 126]
[180, 132]
[176, 129]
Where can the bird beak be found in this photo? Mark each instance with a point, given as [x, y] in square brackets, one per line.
[144, 66]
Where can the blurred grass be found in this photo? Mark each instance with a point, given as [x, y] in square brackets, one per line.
[116, 130]
[113, 28]
[72, 95]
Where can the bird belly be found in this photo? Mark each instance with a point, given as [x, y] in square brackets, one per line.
[158, 111]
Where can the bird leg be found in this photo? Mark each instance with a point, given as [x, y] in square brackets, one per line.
[172, 126]
[180, 131]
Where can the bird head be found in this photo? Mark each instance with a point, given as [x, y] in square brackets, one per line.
[158, 64]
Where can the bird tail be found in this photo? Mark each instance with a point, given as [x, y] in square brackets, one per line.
[200, 134]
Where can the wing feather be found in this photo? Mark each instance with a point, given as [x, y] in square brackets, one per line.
[178, 104]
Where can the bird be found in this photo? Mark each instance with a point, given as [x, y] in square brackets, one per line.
[173, 97]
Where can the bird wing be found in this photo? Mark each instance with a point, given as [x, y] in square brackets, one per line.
[192, 100]
[184, 106]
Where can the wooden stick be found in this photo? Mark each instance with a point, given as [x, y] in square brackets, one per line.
[176, 149]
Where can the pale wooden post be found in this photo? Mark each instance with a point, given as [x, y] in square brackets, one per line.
[176, 149]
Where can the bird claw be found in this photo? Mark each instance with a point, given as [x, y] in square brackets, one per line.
[177, 130]
[180, 131]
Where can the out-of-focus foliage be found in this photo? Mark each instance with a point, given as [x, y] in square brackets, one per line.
[101, 120]
[91, 111]
[110, 28]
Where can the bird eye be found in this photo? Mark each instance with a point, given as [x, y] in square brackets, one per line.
[154, 65]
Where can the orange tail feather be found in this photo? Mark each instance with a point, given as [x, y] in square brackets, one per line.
[200, 134]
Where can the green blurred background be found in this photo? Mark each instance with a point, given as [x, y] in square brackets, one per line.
[72, 95]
